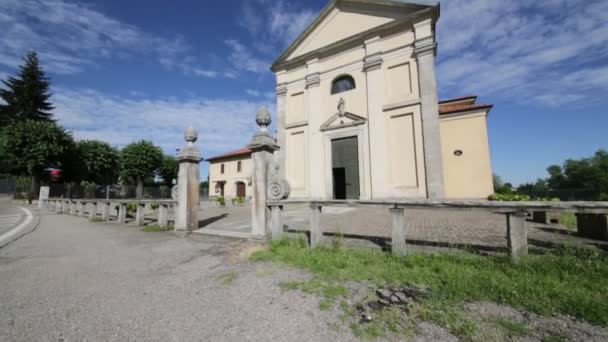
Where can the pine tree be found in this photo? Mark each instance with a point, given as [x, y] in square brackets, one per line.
[27, 95]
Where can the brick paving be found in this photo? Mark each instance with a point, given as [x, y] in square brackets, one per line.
[441, 228]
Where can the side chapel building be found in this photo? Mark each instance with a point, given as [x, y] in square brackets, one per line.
[358, 115]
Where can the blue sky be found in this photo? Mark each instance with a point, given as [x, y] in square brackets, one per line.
[129, 70]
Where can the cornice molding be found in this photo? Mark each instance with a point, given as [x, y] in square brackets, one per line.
[281, 89]
[372, 62]
[425, 46]
[313, 80]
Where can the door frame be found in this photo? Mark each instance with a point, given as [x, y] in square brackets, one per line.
[347, 132]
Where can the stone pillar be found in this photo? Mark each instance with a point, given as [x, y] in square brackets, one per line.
[43, 196]
[81, 206]
[73, 208]
[64, 206]
[315, 225]
[188, 182]
[140, 214]
[376, 121]
[397, 231]
[281, 91]
[276, 221]
[262, 146]
[425, 49]
[93, 211]
[58, 207]
[517, 235]
[122, 213]
[163, 214]
[105, 210]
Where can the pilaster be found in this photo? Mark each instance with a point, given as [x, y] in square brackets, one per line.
[376, 126]
[424, 50]
[315, 187]
[281, 92]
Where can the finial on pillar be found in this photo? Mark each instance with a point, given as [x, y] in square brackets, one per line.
[262, 139]
[190, 152]
[190, 135]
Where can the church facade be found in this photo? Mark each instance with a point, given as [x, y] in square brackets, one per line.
[358, 116]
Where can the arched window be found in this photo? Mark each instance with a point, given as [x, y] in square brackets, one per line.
[342, 84]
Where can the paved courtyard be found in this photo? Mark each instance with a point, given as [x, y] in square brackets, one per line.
[75, 280]
[483, 231]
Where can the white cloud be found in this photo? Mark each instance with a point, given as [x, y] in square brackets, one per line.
[252, 92]
[205, 73]
[242, 58]
[529, 51]
[273, 25]
[71, 36]
[287, 24]
[120, 120]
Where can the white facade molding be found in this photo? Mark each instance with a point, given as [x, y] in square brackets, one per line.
[313, 80]
[400, 104]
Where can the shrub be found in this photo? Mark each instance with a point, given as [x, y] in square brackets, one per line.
[88, 189]
[220, 200]
[132, 207]
[603, 197]
[509, 197]
[239, 200]
[154, 206]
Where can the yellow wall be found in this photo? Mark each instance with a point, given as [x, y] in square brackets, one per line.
[231, 176]
[470, 175]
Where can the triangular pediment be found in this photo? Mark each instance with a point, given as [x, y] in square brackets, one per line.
[342, 19]
[338, 121]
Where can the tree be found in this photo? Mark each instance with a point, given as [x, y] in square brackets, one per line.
[168, 170]
[138, 161]
[100, 161]
[32, 146]
[27, 95]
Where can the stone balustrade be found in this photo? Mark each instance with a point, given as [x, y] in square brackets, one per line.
[102, 209]
[515, 212]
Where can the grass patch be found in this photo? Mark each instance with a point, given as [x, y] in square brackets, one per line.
[154, 228]
[568, 220]
[567, 281]
[328, 290]
[227, 278]
[96, 219]
[513, 329]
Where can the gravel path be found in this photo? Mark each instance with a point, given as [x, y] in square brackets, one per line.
[72, 280]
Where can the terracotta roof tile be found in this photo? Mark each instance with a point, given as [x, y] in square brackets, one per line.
[457, 108]
[240, 152]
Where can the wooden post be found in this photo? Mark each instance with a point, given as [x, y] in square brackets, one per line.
[517, 235]
[93, 211]
[122, 213]
[276, 221]
[315, 225]
[163, 214]
[398, 231]
[140, 214]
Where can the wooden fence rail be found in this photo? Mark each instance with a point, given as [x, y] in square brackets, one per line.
[516, 213]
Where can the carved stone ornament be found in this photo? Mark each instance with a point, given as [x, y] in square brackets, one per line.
[341, 108]
[278, 188]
